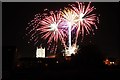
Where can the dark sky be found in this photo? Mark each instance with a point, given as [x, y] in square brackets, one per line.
[17, 15]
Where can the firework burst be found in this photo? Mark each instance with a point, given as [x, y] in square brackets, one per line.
[69, 16]
[86, 19]
[50, 29]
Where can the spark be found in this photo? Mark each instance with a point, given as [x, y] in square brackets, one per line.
[73, 50]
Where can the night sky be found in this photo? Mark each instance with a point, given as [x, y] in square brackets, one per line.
[16, 16]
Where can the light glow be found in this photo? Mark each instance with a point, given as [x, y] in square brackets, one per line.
[40, 53]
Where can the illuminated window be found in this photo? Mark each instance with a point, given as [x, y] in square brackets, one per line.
[40, 53]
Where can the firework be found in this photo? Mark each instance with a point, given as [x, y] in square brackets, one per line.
[73, 50]
[70, 17]
[50, 29]
[53, 27]
[80, 17]
[85, 19]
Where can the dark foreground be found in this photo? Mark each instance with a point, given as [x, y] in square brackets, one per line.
[65, 70]
[87, 65]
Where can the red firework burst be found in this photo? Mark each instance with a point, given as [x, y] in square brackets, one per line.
[49, 28]
[85, 18]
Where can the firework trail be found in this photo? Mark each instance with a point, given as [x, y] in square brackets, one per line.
[85, 19]
[70, 16]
